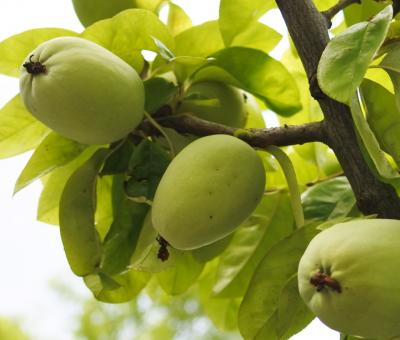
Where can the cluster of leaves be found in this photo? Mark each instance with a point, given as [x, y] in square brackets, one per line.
[100, 195]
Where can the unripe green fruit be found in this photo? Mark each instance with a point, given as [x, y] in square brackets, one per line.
[208, 190]
[90, 11]
[349, 278]
[215, 102]
[82, 91]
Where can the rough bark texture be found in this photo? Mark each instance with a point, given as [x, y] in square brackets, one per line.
[309, 31]
[259, 138]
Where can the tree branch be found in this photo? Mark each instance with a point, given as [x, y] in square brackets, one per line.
[396, 7]
[259, 138]
[341, 5]
[308, 30]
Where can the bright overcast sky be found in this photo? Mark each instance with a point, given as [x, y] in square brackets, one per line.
[31, 253]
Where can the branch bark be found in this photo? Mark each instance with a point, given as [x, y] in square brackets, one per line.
[308, 30]
[259, 138]
[341, 5]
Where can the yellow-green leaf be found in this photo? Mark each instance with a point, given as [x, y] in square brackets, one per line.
[19, 130]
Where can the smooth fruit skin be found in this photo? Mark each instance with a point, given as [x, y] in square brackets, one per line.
[207, 191]
[216, 102]
[87, 93]
[90, 11]
[363, 256]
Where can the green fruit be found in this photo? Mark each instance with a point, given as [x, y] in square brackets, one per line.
[208, 190]
[90, 11]
[215, 102]
[82, 91]
[349, 278]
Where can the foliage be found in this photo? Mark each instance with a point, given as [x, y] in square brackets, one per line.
[101, 195]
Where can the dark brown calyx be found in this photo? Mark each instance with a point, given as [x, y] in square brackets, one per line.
[34, 67]
[163, 253]
[321, 280]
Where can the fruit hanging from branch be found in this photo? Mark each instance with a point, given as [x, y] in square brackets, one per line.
[208, 190]
[216, 102]
[348, 277]
[82, 91]
[90, 11]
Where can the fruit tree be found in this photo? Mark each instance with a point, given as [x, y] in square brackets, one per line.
[161, 172]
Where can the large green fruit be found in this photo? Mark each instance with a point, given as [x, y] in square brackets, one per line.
[216, 102]
[208, 190]
[349, 277]
[82, 91]
[90, 11]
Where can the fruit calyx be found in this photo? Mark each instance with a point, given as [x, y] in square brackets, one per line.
[34, 67]
[163, 253]
[321, 280]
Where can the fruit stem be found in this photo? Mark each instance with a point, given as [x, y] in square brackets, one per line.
[159, 128]
[291, 179]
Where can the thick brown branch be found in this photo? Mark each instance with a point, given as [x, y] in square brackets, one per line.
[308, 30]
[396, 7]
[259, 138]
[341, 5]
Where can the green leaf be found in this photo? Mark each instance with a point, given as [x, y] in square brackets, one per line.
[15, 50]
[199, 41]
[151, 5]
[53, 185]
[80, 238]
[129, 32]
[221, 311]
[235, 16]
[19, 130]
[256, 72]
[258, 36]
[118, 160]
[178, 21]
[290, 317]
[158, 92]
[362, 12]
[146, 167]
[372, 152]
[211, 251]
[122, 237]
[349, 54]
[292, 313]
[269, 279]
[243, 244]
[53, 152]
[178, 279]
[329, 199]
[391, 60]
[128, 286]
[238, 264]
[104, 210]
[383, 117]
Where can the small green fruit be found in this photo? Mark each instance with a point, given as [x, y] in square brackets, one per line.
[90, 11]
[82, 91]
[208, 190]
[215, 102]
[349, 278]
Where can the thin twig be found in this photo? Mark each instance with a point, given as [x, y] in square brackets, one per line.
[341, 5]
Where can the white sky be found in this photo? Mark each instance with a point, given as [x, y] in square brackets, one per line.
[31, 253]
